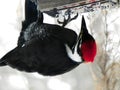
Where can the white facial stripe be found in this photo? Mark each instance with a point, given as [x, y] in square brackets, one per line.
[74, 56]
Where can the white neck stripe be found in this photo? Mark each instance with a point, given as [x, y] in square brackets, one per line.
[74, 56]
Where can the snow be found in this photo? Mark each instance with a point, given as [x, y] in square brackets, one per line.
[57, 84]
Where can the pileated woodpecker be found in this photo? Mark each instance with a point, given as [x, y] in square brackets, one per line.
[50, 49]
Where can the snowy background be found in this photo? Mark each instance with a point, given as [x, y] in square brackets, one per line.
[103, 24]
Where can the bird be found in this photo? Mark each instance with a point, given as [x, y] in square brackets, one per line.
[49, 56]
[50, 49]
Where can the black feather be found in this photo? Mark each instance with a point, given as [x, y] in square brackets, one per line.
[31, 15]
[47, 57]
[41, 48]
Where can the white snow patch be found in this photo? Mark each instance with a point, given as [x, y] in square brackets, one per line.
[57, 84]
